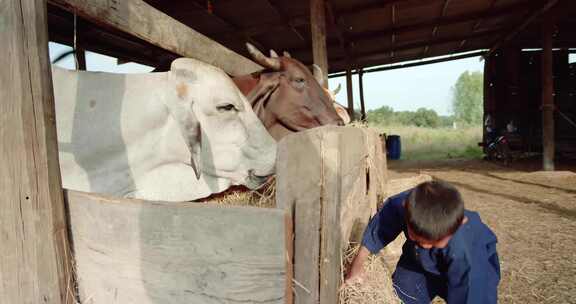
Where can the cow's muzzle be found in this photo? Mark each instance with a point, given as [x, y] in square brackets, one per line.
[254, 181]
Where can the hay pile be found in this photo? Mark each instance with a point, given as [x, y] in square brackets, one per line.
[263, 197]
[376, 286]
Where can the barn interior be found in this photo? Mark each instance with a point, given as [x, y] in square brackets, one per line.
[529, 80]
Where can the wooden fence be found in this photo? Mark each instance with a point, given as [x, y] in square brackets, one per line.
[142, 252]
[329, 182]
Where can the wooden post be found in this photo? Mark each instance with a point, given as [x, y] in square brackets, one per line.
[349, 91]
[547, 96]
[362, 105]
[34, 263]
[330, 201]
[318, 33]
[81, 59]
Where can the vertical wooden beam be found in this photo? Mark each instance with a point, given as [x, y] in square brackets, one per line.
[361, 85]
[34, 263]
[547, 95]
[349, 91]
[81, 59]
[318, 32]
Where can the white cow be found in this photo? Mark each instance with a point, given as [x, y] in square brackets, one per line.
[175, 136]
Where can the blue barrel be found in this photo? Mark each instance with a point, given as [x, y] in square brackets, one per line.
[394, 146]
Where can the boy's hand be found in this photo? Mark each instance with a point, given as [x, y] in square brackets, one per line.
[356, 269]
[354, 276]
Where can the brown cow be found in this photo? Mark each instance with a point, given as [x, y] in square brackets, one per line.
[286, 96]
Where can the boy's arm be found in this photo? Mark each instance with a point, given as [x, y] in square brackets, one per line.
[386, 225]
[356, 268]
[382, 229]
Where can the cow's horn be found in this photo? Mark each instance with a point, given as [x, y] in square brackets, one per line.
[337, 89]
[318, 74]
[272, 63]
[273, 54]
[286, 54]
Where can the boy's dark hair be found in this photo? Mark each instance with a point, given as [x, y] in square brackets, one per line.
[434, 210]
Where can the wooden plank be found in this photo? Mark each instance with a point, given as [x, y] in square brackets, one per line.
[134, 251]
[547, 95]
[34, 263]
[376, 182]
[331, 203]
[289, 240]
[298, 191]
[398, 185]
[353, 148]
[139, 19]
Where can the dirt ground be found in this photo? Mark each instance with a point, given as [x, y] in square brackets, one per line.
[532, 213]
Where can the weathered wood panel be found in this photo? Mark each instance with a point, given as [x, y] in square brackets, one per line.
[331, 240]
[139, 19]
[332, 178]
[33, 250]
[133, 251]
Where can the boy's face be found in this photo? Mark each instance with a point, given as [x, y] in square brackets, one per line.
[428, 244]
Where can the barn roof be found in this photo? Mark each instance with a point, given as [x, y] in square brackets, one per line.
[368, 32]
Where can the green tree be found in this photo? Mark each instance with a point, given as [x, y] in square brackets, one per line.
[383, 115]
[426, 118]
[467, 97]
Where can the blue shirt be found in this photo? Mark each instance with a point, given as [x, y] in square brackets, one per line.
[469, 263]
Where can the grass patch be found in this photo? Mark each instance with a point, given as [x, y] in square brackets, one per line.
[436, 143]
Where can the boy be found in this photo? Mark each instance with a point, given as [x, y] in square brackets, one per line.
[448, 251]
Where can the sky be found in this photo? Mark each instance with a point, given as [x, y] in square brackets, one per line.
[407, 89]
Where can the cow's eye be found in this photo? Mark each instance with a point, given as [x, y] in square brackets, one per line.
[299, 82]
[226, 108]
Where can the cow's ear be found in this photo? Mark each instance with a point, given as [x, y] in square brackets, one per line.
[185, 70]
